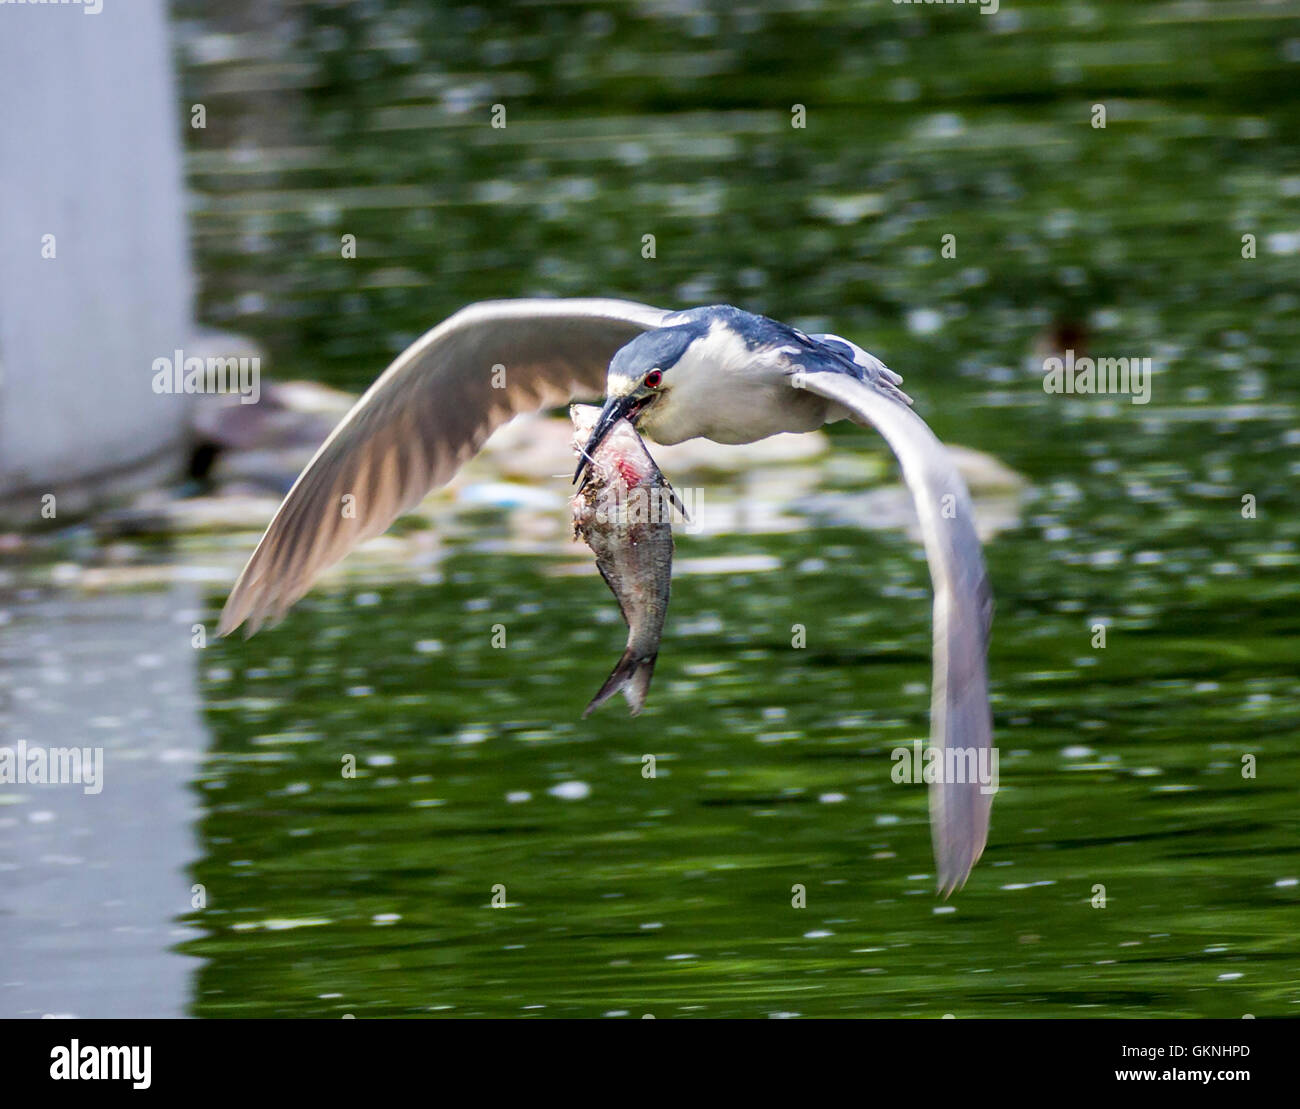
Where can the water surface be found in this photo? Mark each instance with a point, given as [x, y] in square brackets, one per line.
[1122, 767]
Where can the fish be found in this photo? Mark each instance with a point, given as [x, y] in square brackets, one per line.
[623, 513]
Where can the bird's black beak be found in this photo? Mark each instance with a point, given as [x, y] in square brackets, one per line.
[616, 408]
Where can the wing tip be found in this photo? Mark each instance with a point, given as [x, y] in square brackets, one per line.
[956, 853]
[231, 620]
[233, 612]
[953, 874]
[249, 608]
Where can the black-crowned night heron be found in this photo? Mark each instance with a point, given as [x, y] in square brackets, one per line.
[718, 373]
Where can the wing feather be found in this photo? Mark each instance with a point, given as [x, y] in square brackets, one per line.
[960, 717]
[425, 416]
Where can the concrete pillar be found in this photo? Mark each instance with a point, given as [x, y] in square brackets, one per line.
[95, 280]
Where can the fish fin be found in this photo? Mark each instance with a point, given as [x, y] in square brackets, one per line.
[631, 675]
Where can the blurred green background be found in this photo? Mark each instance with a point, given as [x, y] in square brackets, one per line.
[672, 896]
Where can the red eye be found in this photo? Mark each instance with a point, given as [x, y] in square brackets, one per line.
[653, 378]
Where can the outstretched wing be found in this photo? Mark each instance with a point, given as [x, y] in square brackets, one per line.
[960, 719]
[429, 412]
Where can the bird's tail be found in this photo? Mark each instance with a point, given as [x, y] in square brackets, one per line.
[632, 675]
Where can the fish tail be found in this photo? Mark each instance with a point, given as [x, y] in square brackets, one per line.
[639, 684]
[631, 675]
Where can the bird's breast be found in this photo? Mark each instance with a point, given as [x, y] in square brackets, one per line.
[749, 412]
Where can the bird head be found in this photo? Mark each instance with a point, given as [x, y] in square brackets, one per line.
[640, 380]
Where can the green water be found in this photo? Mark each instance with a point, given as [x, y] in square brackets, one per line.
[1121, 767]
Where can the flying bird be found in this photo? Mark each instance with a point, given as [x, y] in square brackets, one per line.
[716, 372]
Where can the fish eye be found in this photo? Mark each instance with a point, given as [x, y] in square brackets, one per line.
[653, 378]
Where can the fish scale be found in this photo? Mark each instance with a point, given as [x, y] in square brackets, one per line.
[633, 546]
